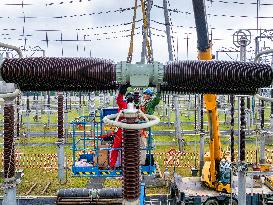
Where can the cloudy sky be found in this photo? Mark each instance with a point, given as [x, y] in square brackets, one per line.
[101, 24]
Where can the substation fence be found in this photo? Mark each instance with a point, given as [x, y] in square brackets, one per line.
[191, 159]
[173, 158]
[47, 162]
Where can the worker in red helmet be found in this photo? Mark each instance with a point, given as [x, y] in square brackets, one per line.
[118, 137]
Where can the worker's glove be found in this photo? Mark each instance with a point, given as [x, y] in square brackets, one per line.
[123, 88]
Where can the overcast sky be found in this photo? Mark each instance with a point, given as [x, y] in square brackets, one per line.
[74, 19]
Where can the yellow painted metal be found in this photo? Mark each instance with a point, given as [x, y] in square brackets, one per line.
[145, 27]
[264, 167]
[213, 158]
[269, 182]
[109, 128]
[223, 188]
[131, 48]
[206, 55]
[145, 173]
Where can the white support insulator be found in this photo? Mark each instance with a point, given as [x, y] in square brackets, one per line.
[10, 95]
[257, 57]
[264, 98]
[4, 45]
[109, 119]
[17, 91]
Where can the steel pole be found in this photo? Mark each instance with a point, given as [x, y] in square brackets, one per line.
[178, 123]
[168, 30]
[241, 130]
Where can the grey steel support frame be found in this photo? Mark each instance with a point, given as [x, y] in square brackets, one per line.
[178, 123]
[202, 152]
[114, 100]
[168, 30]
[262, 148]
[44, 100]
[83, 106]
[60, 150]
[36, 101]
[10, 194]
[60, 156]
[92, 104]
[169, 113]
[48, 108]
[262, 141]
[202, 134]
[107, 99]
[241, 169]
[101, 101]
[28, 122]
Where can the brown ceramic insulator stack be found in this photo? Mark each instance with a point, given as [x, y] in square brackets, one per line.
[262, 114]
[271, 93]
[60, 74]
[18, 117]
[28, 106]
[9, 156]
[216, 77]
[131, 161]
[60, 116]
[242, 130]
[48, 99]
[232, 128]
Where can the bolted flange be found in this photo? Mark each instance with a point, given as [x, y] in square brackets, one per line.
[140, 75]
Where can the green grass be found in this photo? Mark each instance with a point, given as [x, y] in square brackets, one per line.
[42, 177]
[45, 139]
